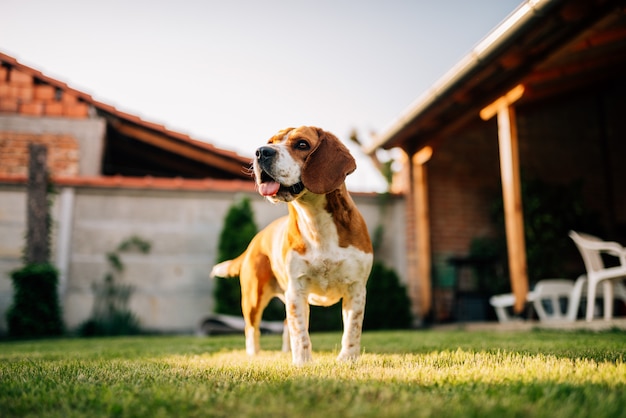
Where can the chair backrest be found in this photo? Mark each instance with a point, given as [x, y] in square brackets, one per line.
[591, 256]
[550, 293]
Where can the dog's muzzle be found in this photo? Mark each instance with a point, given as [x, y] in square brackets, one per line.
[268, 186]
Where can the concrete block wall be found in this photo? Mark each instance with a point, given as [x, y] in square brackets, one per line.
[172, 288]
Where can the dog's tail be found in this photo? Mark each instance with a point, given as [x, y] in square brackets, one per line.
[229, 268]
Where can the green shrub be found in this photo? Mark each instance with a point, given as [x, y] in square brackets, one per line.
[238, 230]
[35, 311]
[388, 306]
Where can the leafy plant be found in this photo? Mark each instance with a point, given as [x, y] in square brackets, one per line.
[111, 315]
[35, 311]
[238, 230]
[550, 212]
[388, 306]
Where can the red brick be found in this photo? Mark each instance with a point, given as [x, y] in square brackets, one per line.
[10, 91]
[44, 92]
[5, 91]
[4, 71]
[67, 97]
[8, 105]
[62, 155]
[53, 109]
[31, 108]
[24, 93]
[17, 77]
[76, 110]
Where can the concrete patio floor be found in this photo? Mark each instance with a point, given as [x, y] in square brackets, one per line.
[521, 325]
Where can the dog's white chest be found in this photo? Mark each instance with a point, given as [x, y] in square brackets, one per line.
[325, 277]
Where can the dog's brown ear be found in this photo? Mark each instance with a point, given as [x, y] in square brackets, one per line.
[326, 168]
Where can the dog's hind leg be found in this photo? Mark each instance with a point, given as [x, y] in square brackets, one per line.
[256, 292]
[252, 312]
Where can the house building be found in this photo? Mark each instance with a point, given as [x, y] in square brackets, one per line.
[540, 98]
[117, 176]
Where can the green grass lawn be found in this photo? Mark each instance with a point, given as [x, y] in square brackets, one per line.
[401, 374]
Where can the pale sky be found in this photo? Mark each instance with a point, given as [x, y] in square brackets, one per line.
[233, 73]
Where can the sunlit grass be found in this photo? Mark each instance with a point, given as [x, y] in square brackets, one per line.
[416, 374]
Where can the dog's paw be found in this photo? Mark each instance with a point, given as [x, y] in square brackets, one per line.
[346, 355]
[305, 358]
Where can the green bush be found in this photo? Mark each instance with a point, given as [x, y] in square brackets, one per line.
[117, 323]
[238, 230]
[388, 306]
[35, 311]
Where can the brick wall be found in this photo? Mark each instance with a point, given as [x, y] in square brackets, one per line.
[573, 138]
[464, 175]
[22, 93]
[581, 138]
[63, 153]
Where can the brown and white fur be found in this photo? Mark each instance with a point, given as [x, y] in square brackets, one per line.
[319, 254]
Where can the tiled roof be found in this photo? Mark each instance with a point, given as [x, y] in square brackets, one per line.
[146, 182]
[11, 68]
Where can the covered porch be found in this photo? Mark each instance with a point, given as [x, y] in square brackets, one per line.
[538, 101]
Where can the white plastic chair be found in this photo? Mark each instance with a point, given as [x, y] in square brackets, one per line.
[552, 292]
[501, 303]
[548, 292]
[591, 249]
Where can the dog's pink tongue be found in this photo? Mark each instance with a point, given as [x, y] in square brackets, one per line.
[269, 188]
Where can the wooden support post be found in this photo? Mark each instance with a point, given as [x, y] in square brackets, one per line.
[37, 244]
[422, 221]
[511, 191]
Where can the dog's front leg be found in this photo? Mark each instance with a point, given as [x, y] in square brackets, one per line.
[353, 311]
[298, 322]
[286, 341]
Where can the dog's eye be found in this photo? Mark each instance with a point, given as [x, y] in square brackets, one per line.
[302, 145]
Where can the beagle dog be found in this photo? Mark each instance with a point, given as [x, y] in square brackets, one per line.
[318, 254]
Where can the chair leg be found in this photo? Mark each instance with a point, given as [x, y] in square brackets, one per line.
[591, 299]
[574, 302]
[607, 288]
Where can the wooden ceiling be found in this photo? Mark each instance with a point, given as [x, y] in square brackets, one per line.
[572, 45]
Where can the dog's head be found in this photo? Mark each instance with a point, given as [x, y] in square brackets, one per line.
[296, 160]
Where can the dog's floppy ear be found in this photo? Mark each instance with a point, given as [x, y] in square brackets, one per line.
[327, 166]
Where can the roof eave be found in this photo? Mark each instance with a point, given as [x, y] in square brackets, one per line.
[483, 52]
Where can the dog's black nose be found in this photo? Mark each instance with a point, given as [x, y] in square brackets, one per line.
[265, 153]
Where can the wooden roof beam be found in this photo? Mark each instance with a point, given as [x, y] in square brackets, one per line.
[185, 149]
